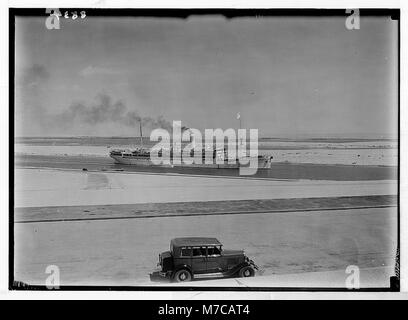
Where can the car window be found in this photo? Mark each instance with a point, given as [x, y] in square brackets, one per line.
[213, 251]
[199, 251]
[186, 252]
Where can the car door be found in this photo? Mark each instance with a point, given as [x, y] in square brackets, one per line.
[199, 260]
[213, 259]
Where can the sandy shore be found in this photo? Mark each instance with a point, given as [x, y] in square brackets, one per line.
[42, 188]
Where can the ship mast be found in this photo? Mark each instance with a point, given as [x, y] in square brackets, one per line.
[141, 133]
[240, 125]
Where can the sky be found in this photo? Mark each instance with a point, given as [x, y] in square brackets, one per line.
[287, 76]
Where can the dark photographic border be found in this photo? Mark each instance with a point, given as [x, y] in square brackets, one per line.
[181, 14]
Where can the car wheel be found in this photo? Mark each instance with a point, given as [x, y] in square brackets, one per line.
[182, 275]
[246, 272]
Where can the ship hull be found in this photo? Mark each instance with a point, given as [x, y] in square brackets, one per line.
[145, 162]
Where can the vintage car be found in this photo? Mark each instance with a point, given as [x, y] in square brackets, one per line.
[193, 257]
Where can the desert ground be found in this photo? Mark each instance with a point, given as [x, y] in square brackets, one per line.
[81, 221]
[125, 251]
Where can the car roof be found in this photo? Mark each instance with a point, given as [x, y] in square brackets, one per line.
[195, 241]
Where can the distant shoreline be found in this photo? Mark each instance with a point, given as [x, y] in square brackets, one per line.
[274, 139]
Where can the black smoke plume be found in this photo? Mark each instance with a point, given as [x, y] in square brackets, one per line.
[105, 110]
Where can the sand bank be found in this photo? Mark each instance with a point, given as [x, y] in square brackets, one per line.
[42, 188]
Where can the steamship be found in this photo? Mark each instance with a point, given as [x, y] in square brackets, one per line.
[140, 156]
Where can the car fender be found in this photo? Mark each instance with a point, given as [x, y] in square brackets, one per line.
[239, 267]
[183, 266]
